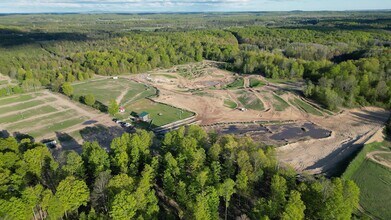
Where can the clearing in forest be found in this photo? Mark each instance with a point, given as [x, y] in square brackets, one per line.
[133, 96]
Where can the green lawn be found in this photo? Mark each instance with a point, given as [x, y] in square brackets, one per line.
[58, 126]
[168, 113]
[43, 120]
[254, 83]
[20, 106]
[137, 92]
[279, 104]
[230, 104]
[28, 114]
[374, 181]
[167, 76]
[14, 99]
[103, 90]
[306, 107]
[107, 89]
[237, 84]
[250, 101]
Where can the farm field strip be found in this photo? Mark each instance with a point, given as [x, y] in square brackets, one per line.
[43, 113]
[279, 104]
[42, 120]
[374, 181]
[41, 110]
[20, 106]
[251, 101]
[59, 126]
[305, 107]
[16, 99]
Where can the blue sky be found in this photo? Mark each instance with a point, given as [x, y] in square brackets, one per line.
[22, 6]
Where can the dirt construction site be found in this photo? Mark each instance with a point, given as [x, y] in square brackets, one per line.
[310, 138]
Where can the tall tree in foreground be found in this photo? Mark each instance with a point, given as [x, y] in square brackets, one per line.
[294, 209]
[227, 189]
[72, 193]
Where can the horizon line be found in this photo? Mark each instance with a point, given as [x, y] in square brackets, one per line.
[185, 12]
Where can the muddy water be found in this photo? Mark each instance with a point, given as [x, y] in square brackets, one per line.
[295, 131]
[276, 134]
[240, 129]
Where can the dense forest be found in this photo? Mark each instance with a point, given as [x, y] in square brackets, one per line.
[345, 62]
[189, 174]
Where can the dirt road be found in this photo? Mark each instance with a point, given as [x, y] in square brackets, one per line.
[350, 130]
[374, 155]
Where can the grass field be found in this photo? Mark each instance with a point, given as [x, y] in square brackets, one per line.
[58, 126]
[230, 104]
[20, 106]
[15, 99]
[107, 89]
[279, 104]
[104, 90]
[45, 109]
[133, 96]
[306, 107]
[254, 83]
[166, 75]
[38, 114]
[160, 114]
[237, 84]
[250, 101]
[137, 92]
[374, 181]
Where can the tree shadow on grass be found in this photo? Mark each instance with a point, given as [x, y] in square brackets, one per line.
[67, 142]
[20, 136]
[4, 134]
[102, 134]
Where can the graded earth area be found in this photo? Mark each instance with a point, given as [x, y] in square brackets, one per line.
[311, 138]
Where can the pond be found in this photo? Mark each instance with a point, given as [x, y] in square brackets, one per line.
[240, 129]
[295, 131]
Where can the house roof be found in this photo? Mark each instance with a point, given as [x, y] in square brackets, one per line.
[143, 114]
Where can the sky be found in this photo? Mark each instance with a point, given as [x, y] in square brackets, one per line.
[36, 6]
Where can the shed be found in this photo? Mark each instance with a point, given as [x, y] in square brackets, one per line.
[144, 116]
[121, 109]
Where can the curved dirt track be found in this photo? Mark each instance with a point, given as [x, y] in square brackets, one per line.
[374, 156]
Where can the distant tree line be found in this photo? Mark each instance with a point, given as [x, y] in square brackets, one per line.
[342, 67]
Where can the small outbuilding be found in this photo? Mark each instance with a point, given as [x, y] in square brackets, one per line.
[121, 109]
[143, 116]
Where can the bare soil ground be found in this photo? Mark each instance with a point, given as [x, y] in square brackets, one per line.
[351, 129]
[204, 94]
